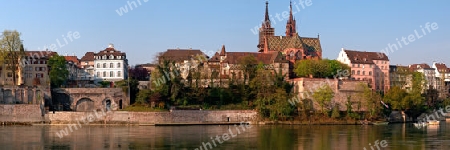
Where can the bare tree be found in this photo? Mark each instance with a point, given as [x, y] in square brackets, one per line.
[11, 49]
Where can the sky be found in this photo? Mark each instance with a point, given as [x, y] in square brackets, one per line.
[143, 28]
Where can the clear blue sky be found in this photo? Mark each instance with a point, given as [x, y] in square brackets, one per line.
[155, 26]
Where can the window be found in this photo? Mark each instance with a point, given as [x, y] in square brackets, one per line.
[370, 65]
[364, 73]
[353, 72]
[370, 73]
[353, 65]
[98, 65]
[118, 73]
[358, 65]
[111, 74]
[104, 65]
[111, 57]
[111, 65]
[104, 73]
[358, 72]
[98, 74]
[118, 65]
[39, 75]
[9, 74]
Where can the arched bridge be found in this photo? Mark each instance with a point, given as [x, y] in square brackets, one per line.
[89, 99]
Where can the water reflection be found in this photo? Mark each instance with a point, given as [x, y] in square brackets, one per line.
[283, 137]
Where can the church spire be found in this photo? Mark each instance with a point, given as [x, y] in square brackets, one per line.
[265, 30]
[290, 12]
[266, 23]
[290, 26]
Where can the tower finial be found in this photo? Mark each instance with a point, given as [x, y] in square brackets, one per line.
[291, 23]
[266, 17]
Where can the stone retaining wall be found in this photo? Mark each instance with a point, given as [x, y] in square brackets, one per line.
[175, 116]
[21, 113]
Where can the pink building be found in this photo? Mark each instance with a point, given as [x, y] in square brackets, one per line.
[372, 67]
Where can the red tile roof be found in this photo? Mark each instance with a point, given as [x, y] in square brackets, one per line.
[415, 67]
[265, 58]
[363, 57]
[280, 43]
[40, 54]
[89, 56]
[441, 67]
[72, 59]
[234, 57]
[179, 55]
[110, 51]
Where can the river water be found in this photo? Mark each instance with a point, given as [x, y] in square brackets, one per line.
[227, 137]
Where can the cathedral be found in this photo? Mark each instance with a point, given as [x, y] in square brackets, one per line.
[292, 46]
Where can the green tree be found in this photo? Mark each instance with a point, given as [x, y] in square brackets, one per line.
[370, 99]
[248, 65]
[303, 68]
[323, 96]
[104, 84]
[397, 98]
[134, 90]
[415, 97]
[11, 51]
[143, 96]
[58, 70]
[166, 80]
[271, 95]
[335, 112]
[319, 68]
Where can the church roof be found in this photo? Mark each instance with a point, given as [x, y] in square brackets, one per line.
[279, 43]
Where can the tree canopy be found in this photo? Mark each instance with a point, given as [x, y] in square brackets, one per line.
[323, 96]
[11, 50]
[58, 70]
[318, 68]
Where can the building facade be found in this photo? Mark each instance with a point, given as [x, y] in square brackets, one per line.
[442, 79]
[228, 66]
[292, 46]
[110, 65]
[372, 67]
[428, 72]
[185, 60]
[36, 69]
[87, 64]
[400, 76]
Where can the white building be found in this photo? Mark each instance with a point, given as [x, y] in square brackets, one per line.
[110, 65]
[428, 72]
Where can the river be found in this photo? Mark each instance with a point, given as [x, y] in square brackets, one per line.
[227, 137]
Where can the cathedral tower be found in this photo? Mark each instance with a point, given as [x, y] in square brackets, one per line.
[266, 29]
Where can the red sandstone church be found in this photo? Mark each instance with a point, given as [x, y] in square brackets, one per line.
[292, 45]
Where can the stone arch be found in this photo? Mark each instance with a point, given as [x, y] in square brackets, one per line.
[85, 104]
[7, 96]
[30, 96]
[38, 96]
[107, 104]
[120, 104]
